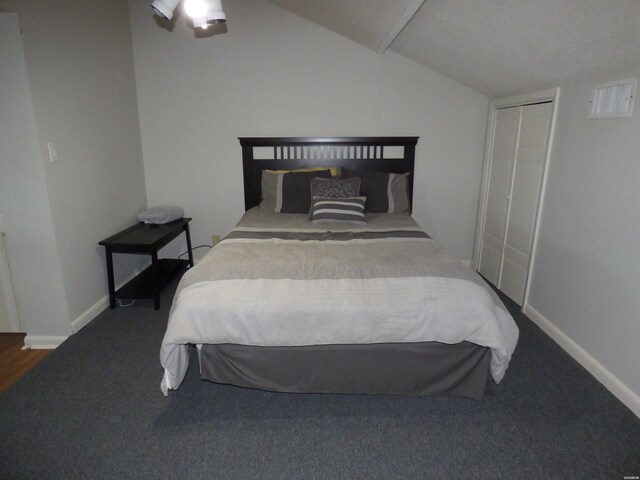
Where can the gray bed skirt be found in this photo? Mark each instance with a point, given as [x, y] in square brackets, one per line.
[427, 368]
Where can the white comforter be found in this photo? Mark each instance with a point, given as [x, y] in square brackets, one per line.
[289, 284]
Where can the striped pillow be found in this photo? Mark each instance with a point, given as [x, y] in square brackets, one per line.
[338, 210]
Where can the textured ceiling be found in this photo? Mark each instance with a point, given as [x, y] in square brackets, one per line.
[498, 47]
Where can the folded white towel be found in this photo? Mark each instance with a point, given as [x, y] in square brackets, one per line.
[161, 214]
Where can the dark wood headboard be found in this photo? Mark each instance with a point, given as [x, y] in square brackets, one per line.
[374, 154]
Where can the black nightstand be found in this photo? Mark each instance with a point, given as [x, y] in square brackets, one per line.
[147, 239]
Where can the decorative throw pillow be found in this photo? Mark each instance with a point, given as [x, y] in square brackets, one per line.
[338, 210]
[385, 192]
[288, 192]
[348, 187]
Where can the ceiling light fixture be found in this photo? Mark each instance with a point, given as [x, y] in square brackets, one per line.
[203, 13]
[164, 8]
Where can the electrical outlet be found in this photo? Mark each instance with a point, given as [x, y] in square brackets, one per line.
[215, 239]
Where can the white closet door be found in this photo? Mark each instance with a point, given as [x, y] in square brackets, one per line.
[502, 161]
[528, 172]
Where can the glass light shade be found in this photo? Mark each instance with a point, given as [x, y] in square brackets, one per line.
[196, 8]
[214, 15]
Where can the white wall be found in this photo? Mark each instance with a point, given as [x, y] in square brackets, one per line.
[30, 240]
[274, 73]
[585, 279]
[80, 72]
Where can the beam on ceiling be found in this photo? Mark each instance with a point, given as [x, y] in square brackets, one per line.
[402, 22]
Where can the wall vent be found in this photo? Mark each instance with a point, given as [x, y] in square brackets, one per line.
[613, 99]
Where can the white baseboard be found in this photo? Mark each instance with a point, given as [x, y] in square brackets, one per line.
[97, 308]
[89, 314]
[40, 342]
[37, 342]
[43, 342]
[595, 368]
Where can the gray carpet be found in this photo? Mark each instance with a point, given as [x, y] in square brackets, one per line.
[93, 410]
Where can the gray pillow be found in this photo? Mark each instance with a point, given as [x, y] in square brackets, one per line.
[338, 210]
[348, 187]
[288, 192]
[385, 192]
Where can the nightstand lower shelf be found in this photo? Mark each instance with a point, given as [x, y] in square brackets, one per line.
[142, 285]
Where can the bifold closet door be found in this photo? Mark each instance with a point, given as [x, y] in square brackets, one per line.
[518, 159]
[531, 156]
[502, 161]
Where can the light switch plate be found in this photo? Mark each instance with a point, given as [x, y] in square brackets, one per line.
[53, 153]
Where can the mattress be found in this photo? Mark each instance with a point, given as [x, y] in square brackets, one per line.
[278, 281]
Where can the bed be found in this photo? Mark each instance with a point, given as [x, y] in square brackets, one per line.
[297, 299]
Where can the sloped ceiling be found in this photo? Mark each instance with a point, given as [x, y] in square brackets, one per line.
[497, 47]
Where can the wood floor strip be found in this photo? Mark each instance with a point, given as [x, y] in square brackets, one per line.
[15, 362]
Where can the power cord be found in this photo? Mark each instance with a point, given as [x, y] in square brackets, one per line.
[121, 304]
[195, 248]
